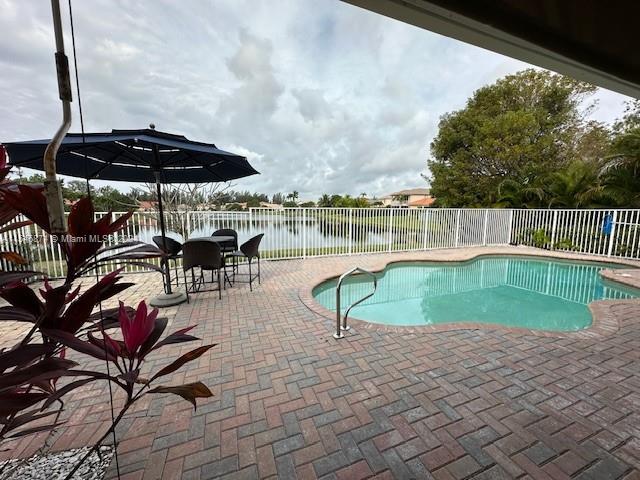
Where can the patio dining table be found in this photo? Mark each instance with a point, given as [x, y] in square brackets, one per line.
[215, 239]
[212, 238]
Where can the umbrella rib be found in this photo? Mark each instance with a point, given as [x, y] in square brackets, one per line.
[107, 163]
[206, 167]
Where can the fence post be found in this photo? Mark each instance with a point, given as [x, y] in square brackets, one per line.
[613, 233]
[350, 231]
[426, 228]
[510, 238]
[484, 235]
[554, 228]
[304, 233]
[390, 227]
[458, 227]
[188, 229]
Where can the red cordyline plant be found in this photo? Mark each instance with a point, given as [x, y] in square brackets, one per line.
[35, 373]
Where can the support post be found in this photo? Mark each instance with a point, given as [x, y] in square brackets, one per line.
[350, 231]
[304, 233]
[390, 228]
[426, 228]
[484, 234]
[458, 228]
[554, 229]
[613, 233]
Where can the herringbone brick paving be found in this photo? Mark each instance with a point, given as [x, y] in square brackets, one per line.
[292, 402]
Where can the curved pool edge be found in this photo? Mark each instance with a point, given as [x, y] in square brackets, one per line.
[604, 322]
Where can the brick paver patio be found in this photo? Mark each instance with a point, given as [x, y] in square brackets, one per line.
[290, 401]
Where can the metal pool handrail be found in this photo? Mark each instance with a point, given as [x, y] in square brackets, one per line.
[342, 326]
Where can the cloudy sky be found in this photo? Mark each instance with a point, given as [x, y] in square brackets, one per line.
[321, 96]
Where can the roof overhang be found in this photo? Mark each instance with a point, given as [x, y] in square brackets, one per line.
[589, 40]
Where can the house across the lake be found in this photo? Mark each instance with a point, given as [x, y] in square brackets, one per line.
[411, 198]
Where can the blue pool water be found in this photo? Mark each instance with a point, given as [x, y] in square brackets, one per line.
[513, 291]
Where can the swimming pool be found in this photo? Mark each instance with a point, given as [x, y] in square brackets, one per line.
[532, 293]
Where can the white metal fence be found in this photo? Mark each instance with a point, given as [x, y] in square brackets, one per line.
[307, 232]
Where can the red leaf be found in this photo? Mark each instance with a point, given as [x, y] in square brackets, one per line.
[31, 203]
[23, 354]
[21, 296]
[189, 391]
[55, 299]
[177, 337]
[59, 393]
[71, 341]
[7, 278]
[47, 369]
[156, 333]
[105, 227]
[14, 401]
[136, 330]
[16, 314]
[180, 361]
[114, 347]
[81, 218]
[15, 226]
[81, 308]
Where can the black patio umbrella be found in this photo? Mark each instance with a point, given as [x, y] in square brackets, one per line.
[144, 155]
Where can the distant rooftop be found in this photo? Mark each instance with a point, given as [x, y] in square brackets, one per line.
[423, 202]
[412, 191]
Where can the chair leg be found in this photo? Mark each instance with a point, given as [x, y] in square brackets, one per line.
[250, 277]
[219, 285]
[186, 285]
[258, 269]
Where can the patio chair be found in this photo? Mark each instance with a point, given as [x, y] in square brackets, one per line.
[249, 251]
[206, 256]
[230, 246]
[172, 251]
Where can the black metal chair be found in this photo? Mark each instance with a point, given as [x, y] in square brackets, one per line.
[228, 246]
[248, 250]
[172, 251]
[206, 256]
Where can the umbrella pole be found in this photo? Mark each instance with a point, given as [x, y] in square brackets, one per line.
[163, 232]
[168, 298]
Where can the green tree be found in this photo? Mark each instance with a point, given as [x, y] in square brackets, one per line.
[576, 186]
[521, 127]
[324, 201]
[621, 172]
[293, 197]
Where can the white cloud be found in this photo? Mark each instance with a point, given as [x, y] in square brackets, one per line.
[322, 97]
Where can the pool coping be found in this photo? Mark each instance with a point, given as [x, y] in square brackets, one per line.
[604, 321]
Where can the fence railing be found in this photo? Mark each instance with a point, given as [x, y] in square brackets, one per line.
[311, 232]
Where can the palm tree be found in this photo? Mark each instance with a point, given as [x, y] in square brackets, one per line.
[621, 173]
[577, 186]
[293, 196]
[513, 194]
[324, 201]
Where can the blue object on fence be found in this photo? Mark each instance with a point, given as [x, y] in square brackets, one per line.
[607, 225]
